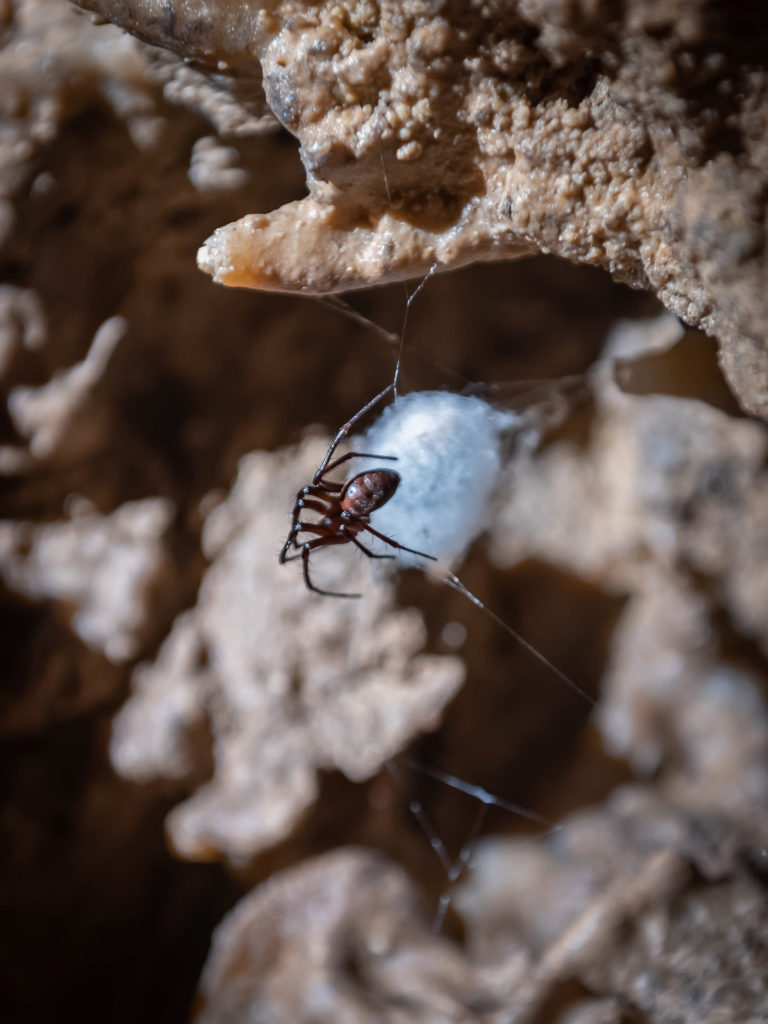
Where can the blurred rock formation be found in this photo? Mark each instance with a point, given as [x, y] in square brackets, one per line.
[168, 685]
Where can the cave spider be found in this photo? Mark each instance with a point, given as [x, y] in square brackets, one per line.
[345, 507]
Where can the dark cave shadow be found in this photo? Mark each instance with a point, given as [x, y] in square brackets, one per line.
[514, 729]
[688, 369]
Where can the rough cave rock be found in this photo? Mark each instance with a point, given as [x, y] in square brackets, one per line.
[632, 137]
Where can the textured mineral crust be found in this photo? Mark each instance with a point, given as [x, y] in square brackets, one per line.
[297, 949]
[277, 957]
[287, 683]
[171, 696]
[621, 905]
[101, 565]
[633, 137]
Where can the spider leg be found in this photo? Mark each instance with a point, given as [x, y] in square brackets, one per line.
[326, 490]
[305, 552]
[283, 556]
[394, 544]
[291, 538]
[368, 551]
[343, 431]
[326, 536]
[318, 503]
[314, 504]
[355, 455]
[320, 489]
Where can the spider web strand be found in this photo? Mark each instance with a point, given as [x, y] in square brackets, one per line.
[456, 584]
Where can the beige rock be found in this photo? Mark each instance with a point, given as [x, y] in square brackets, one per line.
[100, 565]
[634, 556]
[22, 324]
[47, 415]
[663, 478]
[632, 141]
[287, 682]
[287, 951]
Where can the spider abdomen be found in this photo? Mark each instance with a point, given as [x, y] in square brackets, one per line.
[367, 491]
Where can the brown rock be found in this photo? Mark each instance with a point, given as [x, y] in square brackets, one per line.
[337, 939]
[632, 140]
[288, 684]
[629, 547]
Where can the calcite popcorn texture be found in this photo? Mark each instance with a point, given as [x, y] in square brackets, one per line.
[102, 565]
[251, 719]
[288, 684]
[624, 903]
[632, 138]
[342, 938]
[277, 956]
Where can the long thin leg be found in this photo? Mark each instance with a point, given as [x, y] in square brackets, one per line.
[355, 455]
[291, 538]
[400, 547]
[325, 534]
[325, 537]
[343, 431]
[305, 552]
[318, 485]
[409, 300]
[298, 527]
[302, 501]
[367, 551]
[313, 504]
[321, 488]
[292, 558]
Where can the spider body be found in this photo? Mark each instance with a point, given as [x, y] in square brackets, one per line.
[345, 507]
[364, 493]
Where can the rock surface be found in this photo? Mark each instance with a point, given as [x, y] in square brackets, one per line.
[632, 138]
[154, 431]
[288, 684]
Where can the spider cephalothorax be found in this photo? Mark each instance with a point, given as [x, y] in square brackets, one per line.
[345, 507]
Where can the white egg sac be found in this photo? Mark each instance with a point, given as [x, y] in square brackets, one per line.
[448, 450]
